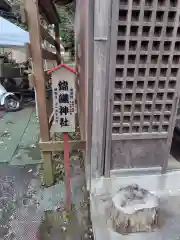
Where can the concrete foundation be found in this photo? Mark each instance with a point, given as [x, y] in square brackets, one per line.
[165, 187]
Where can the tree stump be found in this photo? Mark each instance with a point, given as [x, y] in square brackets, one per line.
[133, 209]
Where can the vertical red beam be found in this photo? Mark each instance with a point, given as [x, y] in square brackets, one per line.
[67, 171]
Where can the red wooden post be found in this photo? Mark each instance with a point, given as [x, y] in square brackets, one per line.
[67, 171]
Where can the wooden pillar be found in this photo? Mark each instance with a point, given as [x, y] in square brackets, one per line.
[100, 85]
[32, 12]
[57, 43]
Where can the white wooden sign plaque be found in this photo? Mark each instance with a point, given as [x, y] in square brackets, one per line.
[63, 87]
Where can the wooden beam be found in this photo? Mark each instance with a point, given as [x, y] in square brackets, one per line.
[47, 37]
[89, 89]
[54, 146]
[31, 7]
[110, 84]
[48, 9]
[49, 55]
[57, 39]
[100, 85]
[51, 119]
[48, 168]
[45, 53]
[36, 54]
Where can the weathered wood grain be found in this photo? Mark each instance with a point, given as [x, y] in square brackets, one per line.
[100, 84]
[59, 145]
[32, 11]
[112, 62]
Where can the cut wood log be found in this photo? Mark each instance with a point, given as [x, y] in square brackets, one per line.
[133, 209]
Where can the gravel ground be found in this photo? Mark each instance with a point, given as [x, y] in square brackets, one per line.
[29, 211]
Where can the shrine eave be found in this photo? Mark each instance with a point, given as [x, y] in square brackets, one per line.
[62, 66]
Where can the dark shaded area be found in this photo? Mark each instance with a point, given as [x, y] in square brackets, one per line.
[175, 146]
[4, 6]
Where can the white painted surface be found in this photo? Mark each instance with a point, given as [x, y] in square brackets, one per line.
[63, 74]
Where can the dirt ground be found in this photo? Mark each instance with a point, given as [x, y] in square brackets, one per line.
[28, 210]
